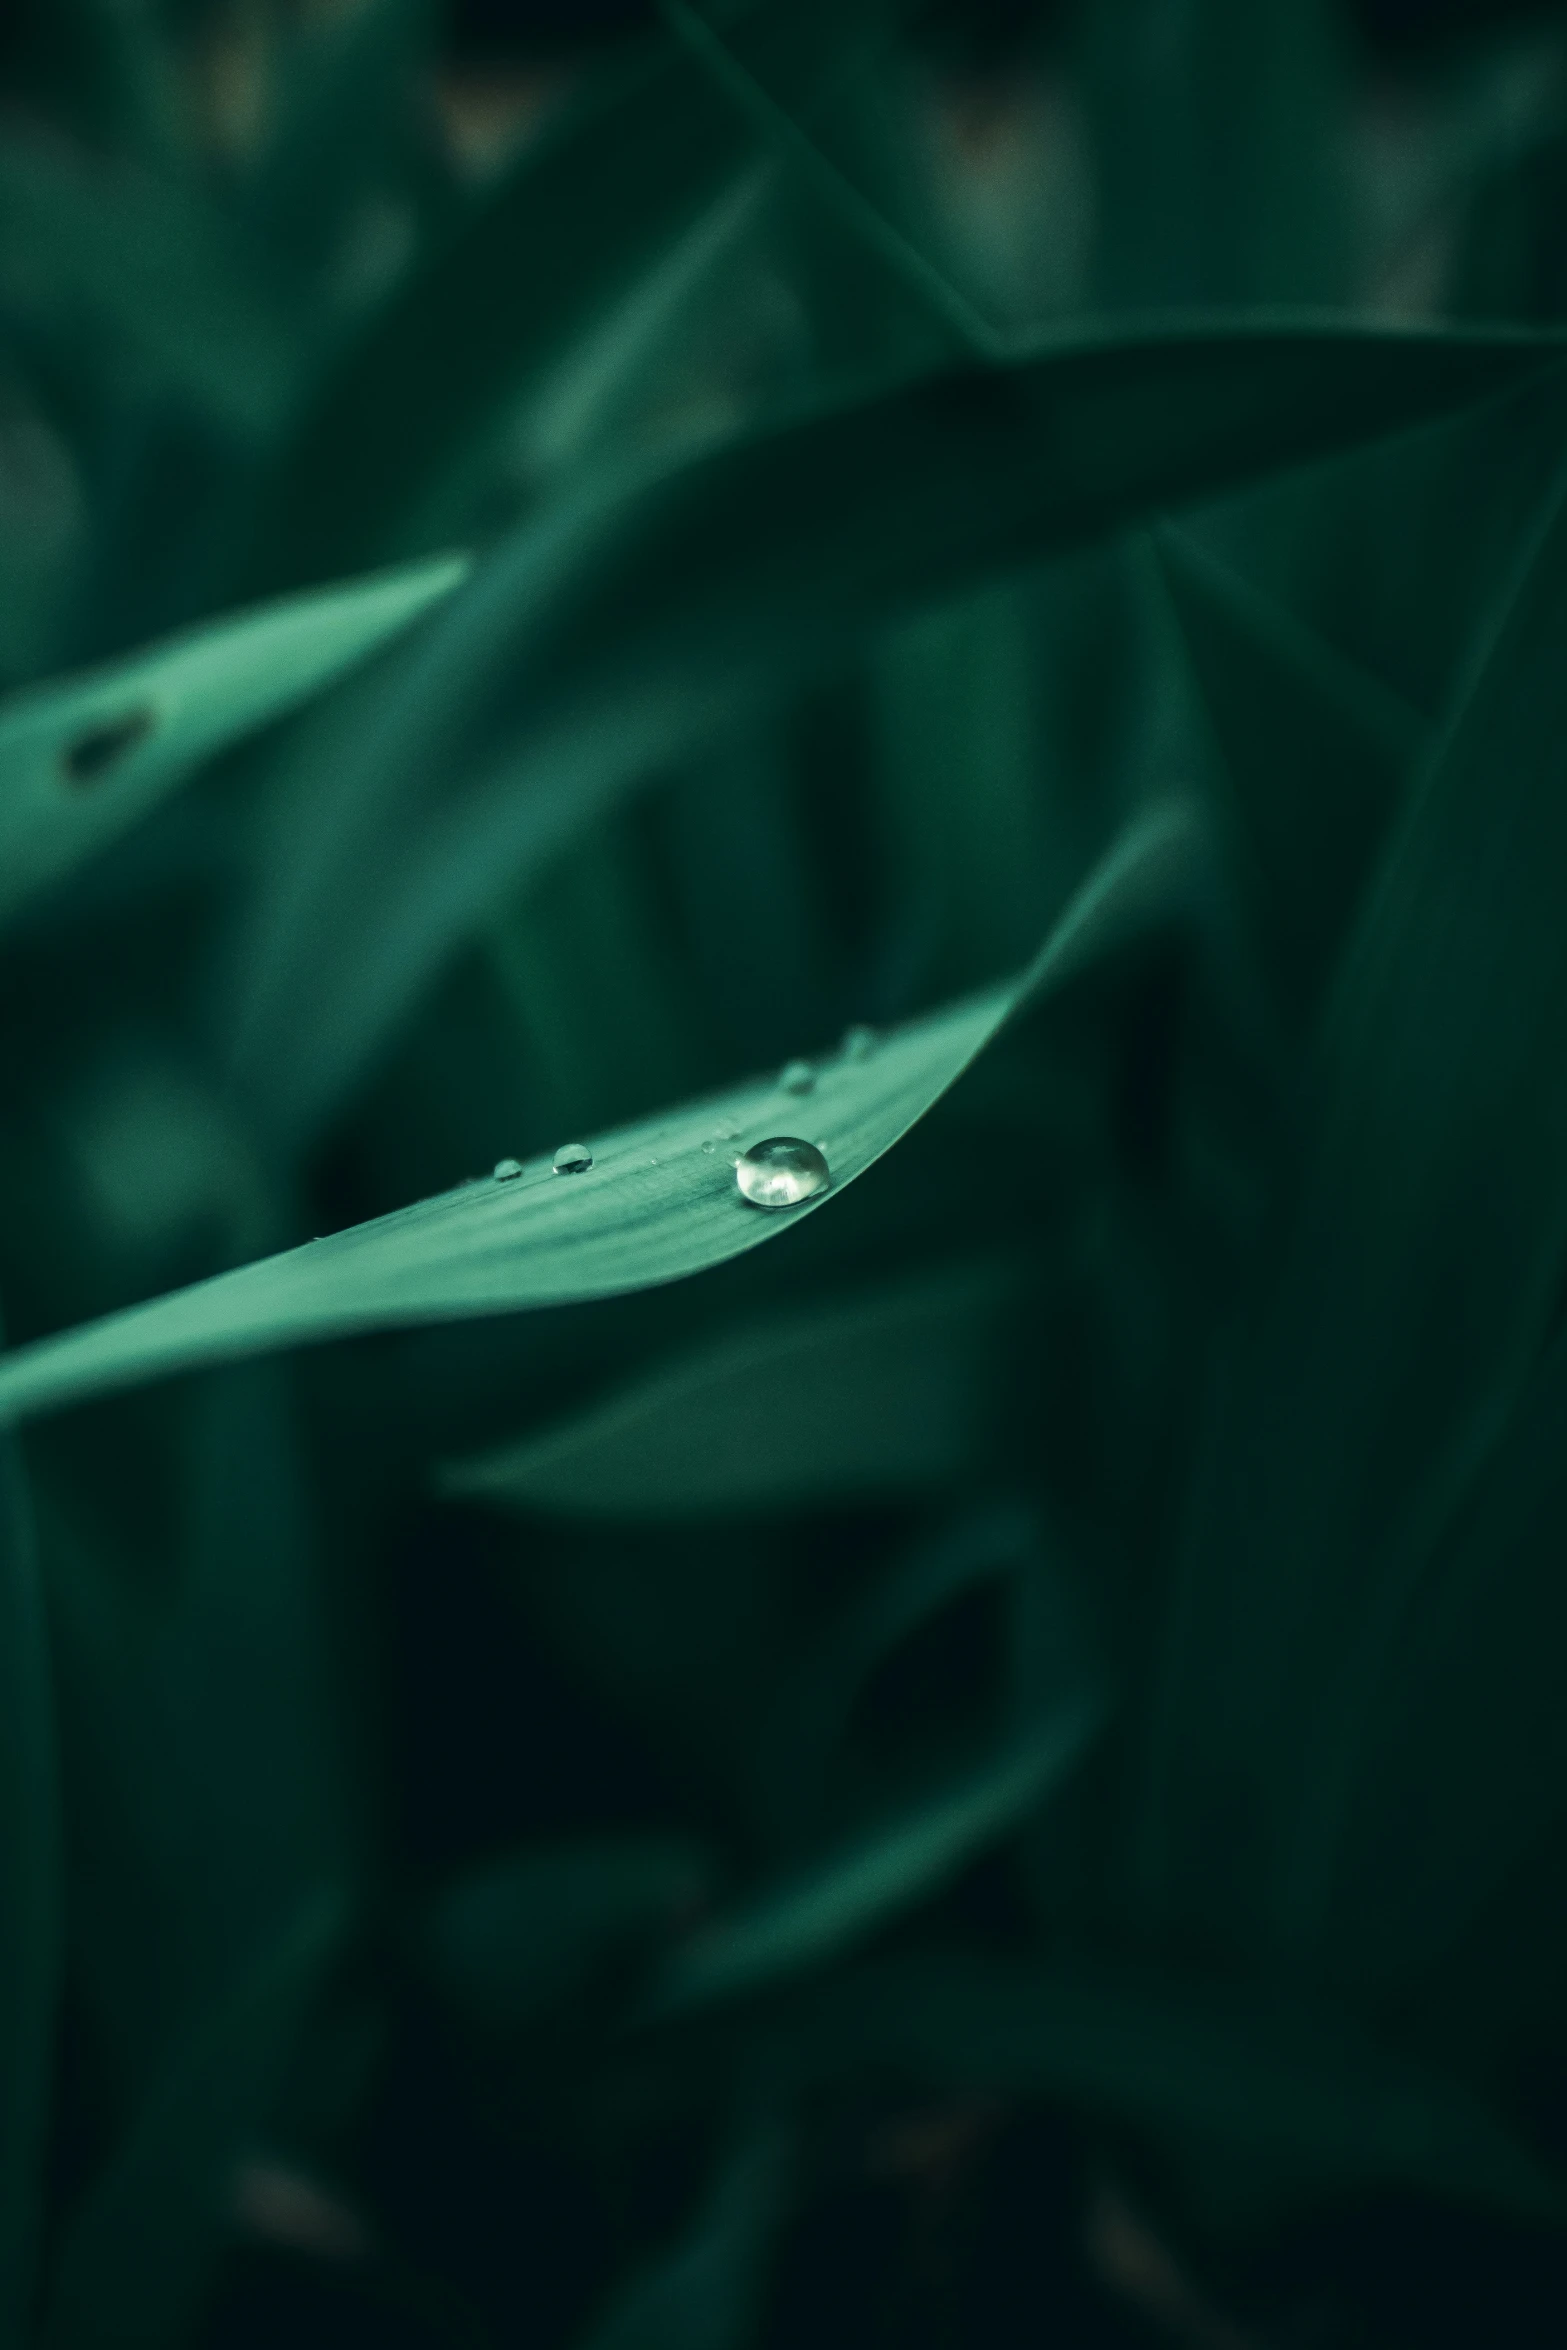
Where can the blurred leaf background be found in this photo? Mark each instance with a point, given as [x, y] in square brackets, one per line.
[980, 583]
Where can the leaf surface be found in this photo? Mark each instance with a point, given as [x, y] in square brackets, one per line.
[872, 1398]
[84, 758]
[660, 1200]
[638, 618]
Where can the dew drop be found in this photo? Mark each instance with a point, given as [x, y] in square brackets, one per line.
[573, 1158]
[709, 1147]
[797, 1077]
[507, 1170]
[781, 1172]
[858, 1043]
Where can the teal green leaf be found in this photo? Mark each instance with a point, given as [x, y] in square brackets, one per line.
[632, 621]
[592, 204]
[1288, 2084]
[29, 1900]
[140, 2251]
[524, 1933]
[1416, 1284]
[704, 2292]
[1318, 755]
[83, 758]
[656, 1205]
[829, 1906]
[864, 1399]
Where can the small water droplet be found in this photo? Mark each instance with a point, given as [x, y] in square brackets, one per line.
[858, 1043]
[573, 1158]
[781, 1172]
[797, 1077]
[507, 1170]
[709, 1147]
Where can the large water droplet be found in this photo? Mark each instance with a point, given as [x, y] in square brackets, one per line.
[573, 1158]
[797, 1077]
[507, 1170]
[858, 1043]
[781, 1172]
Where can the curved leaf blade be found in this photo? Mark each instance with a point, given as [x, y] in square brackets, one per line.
[878, 1397]
[828, 1907]
[655, 1206]
[84, 758]
[632, 621]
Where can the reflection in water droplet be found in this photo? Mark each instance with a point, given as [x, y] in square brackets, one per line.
[781, 1172]
[797, 1077]
[858, 1042]
[573, 1158]
[507, 1170]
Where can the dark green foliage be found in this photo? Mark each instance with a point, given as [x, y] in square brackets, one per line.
[988, 597]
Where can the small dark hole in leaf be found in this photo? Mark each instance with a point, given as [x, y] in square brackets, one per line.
[101, 748]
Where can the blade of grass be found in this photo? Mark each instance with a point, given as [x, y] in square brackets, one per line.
[654, 1206]
[828, 1907]
[631, 623]
[874, 1397]
[84, 758]
[591, 204]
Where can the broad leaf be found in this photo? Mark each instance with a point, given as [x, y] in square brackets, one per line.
[659, 1201]
[83, 758]
[636, 620]
[872, 1398]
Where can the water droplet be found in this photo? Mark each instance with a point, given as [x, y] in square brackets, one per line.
[507, 1170]
[98, 749]
[858, 1043]
[797, 1077]
[781, 1172]
[573, 1158]
[709, 1147]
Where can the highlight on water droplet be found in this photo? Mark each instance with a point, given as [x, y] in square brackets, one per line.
[507, 1170]
[573, 1158]
[796, 1077]
[781, 1172]
[858, 1042]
